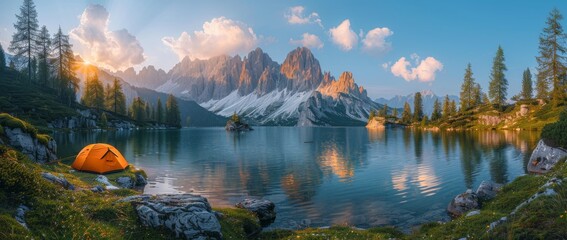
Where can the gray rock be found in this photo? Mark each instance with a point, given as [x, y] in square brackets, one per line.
[125, 182]
[463, 203]
[20, 215]
[58, 180]
[264, 209]
[104, 180]
[97, 188]
[186, 215]
[30, 146]
[544, 157]
[140, 180]
[473, 213]
[487, 190]
[237, 127]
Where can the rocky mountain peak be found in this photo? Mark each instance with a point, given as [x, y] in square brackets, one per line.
[303, 68]
[345, 84]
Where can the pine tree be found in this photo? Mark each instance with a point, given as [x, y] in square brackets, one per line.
[406, 114]
[24, 41]
[477, 94]
[551, 59]
[44, 43]
[33, 64]
[371, 115]
[159, 111]
[172, 115]
[453, 107]
[417, 107]
[395, 113]
[147, 111]
[114, 98]
[527, 90]
[235, 118]
[93, 95]
[436, 114]
[137, 109]
[384, 111]
[66, 82]
[2, 59]
[467, 96]
[498, 84]
[446, 107]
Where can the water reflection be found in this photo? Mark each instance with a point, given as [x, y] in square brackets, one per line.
[367, 177]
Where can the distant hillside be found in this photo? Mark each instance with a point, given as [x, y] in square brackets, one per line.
[199, 116]
[428, 98]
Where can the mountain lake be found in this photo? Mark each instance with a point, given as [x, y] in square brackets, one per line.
[324, 175]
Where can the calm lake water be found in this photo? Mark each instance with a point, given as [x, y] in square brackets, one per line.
[321, 176]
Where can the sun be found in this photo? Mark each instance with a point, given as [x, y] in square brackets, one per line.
[86, 63]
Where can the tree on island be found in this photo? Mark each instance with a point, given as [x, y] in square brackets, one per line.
[235, 118]
[526, 93]
[551, 60]
[417, 107]
[384, 111]
[24, 42]
[498, 84]
[406, 114]
[395, 113]
[371, 115]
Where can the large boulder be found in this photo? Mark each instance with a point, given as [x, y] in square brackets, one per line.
[125, 182]
[31, 146]
[187, 215]
[487, 190]
[463, 203]
[264, 209]
[544, 157]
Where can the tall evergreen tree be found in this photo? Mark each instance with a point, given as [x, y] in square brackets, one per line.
[453, 107]
[477, 94]
[93, 95]
[446, 107]
[66, 82]
[24, 41]
[159, 111]
[44, 46]
[498, 86]
[406, 114]
[172, 115]
[371, 115]
[436, 114]
[115, 99]
[467, 96]
[395, 113]
[417, 107]
[2, 59]
[384, 111]
[137, 110]
[527, 89]
[551, 59]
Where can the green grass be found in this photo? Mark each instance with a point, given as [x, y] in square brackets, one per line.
[543, 218]
[335, 232]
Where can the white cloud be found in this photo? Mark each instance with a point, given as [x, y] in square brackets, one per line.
[308, 40]
[375, 40]
[295, 15]
[424, 72]
[219, 36]
[343, 36]
[111, 49]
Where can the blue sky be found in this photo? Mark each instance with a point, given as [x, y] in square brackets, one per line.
[451, 33]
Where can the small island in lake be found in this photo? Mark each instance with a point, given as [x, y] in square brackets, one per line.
[235, 124]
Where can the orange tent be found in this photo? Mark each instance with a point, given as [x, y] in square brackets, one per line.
[99, 158]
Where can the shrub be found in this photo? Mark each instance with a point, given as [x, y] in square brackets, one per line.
[555, 132]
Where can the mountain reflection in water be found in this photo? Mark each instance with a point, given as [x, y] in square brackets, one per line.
[327, 175]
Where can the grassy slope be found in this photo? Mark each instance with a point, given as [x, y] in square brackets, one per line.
[537, 117]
